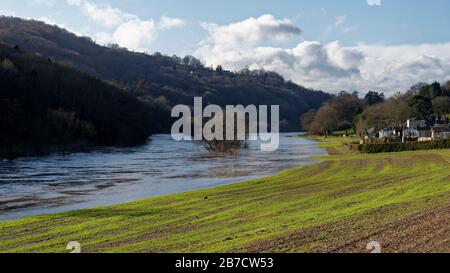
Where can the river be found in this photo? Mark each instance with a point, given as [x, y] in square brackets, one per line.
[107, 176]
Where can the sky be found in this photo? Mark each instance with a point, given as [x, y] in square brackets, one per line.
[380, 45]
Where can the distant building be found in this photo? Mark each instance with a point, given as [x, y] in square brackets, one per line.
[420, 130]
[419, 134]
[390, 134]
[440, 133]
[416, 123]
[416, 130]
[424, 134]
[410, 135]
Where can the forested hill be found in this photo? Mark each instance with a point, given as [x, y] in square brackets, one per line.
[171, 80]
[45, 105]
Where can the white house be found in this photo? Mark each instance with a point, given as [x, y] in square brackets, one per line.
[389, 133]
[440, 133]
[425, 135]
[420, 134]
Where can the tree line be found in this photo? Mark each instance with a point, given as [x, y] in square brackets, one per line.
[347, 112]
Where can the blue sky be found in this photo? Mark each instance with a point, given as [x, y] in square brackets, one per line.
[324, 44]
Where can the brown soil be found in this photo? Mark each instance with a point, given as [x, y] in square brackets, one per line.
[419, 233]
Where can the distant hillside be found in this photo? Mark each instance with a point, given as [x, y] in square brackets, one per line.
[171, 80]
[47, 106]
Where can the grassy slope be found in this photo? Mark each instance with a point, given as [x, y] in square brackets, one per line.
[360, 192]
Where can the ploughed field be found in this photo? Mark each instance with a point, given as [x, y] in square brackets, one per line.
[401, 200]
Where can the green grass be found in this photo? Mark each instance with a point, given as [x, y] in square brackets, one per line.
[343, 132]
[362, 190]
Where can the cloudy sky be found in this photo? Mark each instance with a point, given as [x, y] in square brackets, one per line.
[383, 45]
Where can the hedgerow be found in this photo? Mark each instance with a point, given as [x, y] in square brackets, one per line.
[405, 146]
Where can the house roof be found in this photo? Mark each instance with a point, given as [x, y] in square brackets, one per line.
[391, 129]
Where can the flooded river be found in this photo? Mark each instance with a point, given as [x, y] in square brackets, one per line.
[107, 176]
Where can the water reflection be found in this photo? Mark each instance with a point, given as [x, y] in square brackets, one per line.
[32, 186]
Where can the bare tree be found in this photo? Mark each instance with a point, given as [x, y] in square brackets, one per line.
[224, 145]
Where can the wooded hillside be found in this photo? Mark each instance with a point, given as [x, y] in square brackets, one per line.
[172, 80]
[43, 103]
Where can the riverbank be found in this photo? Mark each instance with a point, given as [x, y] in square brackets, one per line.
[339, 205]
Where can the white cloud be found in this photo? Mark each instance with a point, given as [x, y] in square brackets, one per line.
[251, 31]
[374, 2]
[125, 29]
[395, 68]
[103, 14]
[136, 34]
[238, 45]
[45, 3]
[330, 67]
[50, 21]
[168, 22]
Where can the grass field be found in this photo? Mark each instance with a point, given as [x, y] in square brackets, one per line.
[401, 200]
